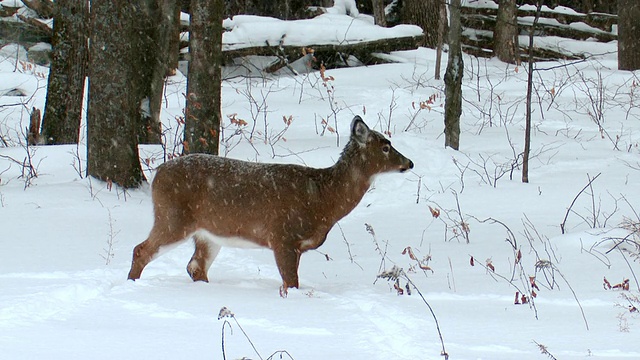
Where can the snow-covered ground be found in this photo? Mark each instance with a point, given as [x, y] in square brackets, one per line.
[66, 241]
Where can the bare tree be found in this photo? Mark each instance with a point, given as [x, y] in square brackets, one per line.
[527, 130]
[453, 80]
[113, 115]
[203, 113]
[628, 34]
[63, 109]
[505, 33]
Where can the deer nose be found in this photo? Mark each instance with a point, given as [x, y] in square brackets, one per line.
[408, 166]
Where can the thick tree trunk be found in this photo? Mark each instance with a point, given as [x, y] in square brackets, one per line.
[505, 34]
[114, 114]
[424, 13]
[174, 38]
[628, 34]
[63, 109]
[453, 80]
[156, 23]
[203, 113]
[379, 16]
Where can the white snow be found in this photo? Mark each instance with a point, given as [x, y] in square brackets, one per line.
[66, 242]
[248, 30]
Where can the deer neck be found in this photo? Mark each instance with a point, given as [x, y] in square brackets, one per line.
[348, 181]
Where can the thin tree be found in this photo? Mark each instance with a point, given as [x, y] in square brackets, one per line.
[453, 80]
[527, 129]
[628, 34]
[203, 112]
[113, 114]
[65, 91]
[442, 10]
[505, 33]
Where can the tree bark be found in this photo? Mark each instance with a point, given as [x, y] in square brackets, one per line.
[424, 13]
[379, 16]
[442, 10]
[628, 35]
[63, 109]
[156, 24]
[114, 114]
[505, 34]
[453, 80]
[203, 112]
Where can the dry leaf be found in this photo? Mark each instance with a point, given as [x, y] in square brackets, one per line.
[490, 265]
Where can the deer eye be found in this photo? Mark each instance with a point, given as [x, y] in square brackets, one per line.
[386, 148]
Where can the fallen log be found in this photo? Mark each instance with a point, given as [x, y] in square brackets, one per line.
[600, 21]
[329, 54]
[487, 22]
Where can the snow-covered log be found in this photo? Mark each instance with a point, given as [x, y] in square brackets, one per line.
[364, 51]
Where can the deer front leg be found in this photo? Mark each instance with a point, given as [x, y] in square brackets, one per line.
[287, 260]
[161, 235]
[142, 255]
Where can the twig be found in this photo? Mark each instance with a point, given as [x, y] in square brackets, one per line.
[396, 273]
[562, 225]
[224, 313]
[348, 247]
[574, 295]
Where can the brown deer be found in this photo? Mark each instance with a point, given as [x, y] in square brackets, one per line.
[286, 208]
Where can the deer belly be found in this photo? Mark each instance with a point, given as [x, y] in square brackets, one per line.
[228, 241]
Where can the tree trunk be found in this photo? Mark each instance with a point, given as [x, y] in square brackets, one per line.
[424, 13]
[114, 114]
[628, 34]
[379, 16]
[174, 38]
[505, 34]
[527, 129]
[63, 109]
[442, 10]
[453, 80]
[156, 24]
[203, 113]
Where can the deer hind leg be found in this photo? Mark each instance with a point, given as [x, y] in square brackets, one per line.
[144, 252]
[206, 251]
[287, 260]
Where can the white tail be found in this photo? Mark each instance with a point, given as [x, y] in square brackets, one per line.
[286, 208]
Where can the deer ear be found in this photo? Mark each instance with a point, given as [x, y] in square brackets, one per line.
[359, 130]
